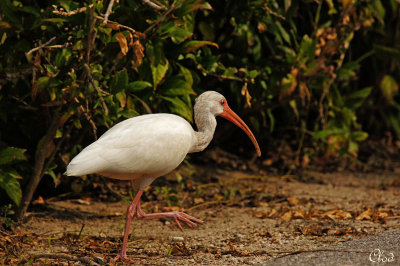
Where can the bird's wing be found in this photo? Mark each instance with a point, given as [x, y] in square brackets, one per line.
[146, 145]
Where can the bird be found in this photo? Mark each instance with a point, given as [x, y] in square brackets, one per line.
[148, 146]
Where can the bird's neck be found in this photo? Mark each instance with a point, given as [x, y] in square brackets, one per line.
[206, 124]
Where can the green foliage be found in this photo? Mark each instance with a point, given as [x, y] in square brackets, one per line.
[329, 68]
[8, 174]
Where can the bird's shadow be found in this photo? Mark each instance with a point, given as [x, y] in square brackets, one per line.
[53, 211]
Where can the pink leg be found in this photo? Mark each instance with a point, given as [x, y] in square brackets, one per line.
[177, 216]
[129, 215]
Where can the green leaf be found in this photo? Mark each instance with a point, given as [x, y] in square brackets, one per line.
[180, 107]
[272, 120]
[121, 97]
[324, 134]
[9, 182]
[9, 11]
[189, 6]
[63, 57]
[176, 33]
[307, 49]
[187, 75]
[359, 135]
[50, 171]
[283, 32]
[386, 50]
[43, 82]
[177, 86]
[356, 99]
[11, 154]
[389, 88]
[119, 82]
[138, 85]
[159, 72]
[191, 46]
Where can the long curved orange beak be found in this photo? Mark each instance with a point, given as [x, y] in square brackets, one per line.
[234, 118]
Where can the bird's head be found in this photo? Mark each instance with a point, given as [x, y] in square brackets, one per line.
[216, 104]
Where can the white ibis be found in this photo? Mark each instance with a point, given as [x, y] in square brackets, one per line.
[145, 147]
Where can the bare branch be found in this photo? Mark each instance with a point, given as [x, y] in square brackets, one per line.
[153, 5]
[91, 35]
[61, 11]
[109, 9]
[163, 16]
[137, 34]
[269, 11]
[40, 46]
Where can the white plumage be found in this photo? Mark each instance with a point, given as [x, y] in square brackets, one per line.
[141, 149]
[148, 146]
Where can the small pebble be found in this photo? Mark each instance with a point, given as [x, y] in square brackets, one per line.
[238, 236]
[99, 260]
[178, 239]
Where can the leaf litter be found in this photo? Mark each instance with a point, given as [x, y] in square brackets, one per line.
[248, 219]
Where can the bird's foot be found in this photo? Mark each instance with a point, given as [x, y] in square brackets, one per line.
[121, 256]
[124, 258]
[186, 218]
[177, 216]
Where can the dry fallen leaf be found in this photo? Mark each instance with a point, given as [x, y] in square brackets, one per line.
[287, 216]
[365, 215]
[39, 200]
[299, 214]
[292, 201]
[337, 214]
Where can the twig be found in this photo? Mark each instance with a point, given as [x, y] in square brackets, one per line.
[40, 46]
[85, 260]
[70, 13]
[269, 11]
[91, 35]
[136, 33]
[163, 16]
[145, 105]
[153, 5]
[80, 232]
[25, 104]
[90, 77]
[88, 117]
[206, 203]
[109, 9]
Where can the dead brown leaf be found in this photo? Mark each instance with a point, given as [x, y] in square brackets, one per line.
[123, 43]
[299, 214]
[180, 249]
[292, 201]
[365, 215]
[137, 53]
[245, 92]
[337, 215]
[287, 216]
[39, 200]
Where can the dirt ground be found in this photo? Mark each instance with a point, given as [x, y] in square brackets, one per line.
[248, 219]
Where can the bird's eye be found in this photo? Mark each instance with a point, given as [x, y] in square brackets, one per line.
[222, 102]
